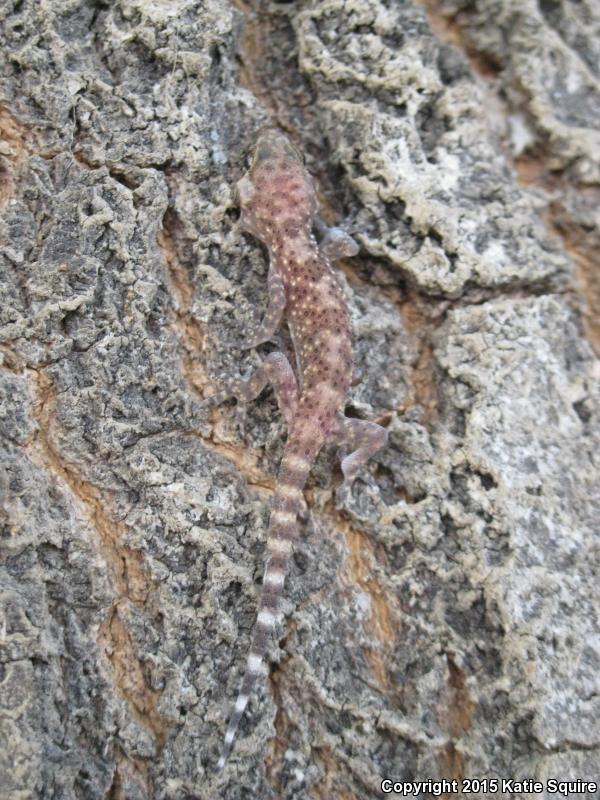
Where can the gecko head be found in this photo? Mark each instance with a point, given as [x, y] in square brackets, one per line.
[276, 195]
[274, 147]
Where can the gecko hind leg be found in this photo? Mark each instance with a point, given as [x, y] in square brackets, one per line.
[364, 439]
[272, 319]
[277, 371]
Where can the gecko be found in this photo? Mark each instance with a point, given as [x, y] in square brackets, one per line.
[278, 205]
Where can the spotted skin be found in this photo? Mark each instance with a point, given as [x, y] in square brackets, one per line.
[279, 205]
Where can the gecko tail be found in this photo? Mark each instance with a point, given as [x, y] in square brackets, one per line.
[282, 530]
[254, 668]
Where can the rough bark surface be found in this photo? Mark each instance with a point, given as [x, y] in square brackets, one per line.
[445, 623]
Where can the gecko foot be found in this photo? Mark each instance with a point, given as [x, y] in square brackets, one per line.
[364, 440]
[337, 244]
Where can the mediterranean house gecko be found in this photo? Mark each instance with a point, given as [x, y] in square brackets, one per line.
[279, 206]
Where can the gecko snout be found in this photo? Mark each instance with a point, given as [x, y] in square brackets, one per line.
[274, 146]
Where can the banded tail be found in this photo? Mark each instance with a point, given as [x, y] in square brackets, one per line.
[298, 456]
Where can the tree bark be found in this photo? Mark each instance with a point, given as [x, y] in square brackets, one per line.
[443, 624]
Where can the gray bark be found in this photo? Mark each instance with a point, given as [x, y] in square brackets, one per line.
[445, 623]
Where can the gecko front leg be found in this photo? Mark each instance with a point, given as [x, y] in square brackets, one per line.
[276, 306]
[336, 243]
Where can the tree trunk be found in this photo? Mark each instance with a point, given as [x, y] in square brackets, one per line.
[445, 622]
